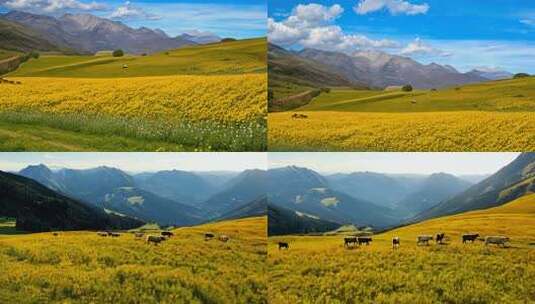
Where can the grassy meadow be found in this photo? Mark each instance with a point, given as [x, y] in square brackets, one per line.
[452, 273]
[187, 99]
[81, 267]
[492, 116]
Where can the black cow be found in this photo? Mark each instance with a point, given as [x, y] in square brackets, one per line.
[470, 237]
[167, 233]
[441, 237]
[208, 236]
[113, 234]
[364, 240]
[350, 241]
[283, 245]
[396, 242]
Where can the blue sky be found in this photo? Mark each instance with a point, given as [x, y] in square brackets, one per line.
[239, 19]
[137, 162]
[395, 163]
[463, 33]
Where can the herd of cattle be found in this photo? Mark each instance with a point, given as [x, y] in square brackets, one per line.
[164, 235]
[421, 240]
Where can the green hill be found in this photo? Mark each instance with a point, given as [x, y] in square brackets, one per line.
[238, 57]
[503, 95]
[16, 37]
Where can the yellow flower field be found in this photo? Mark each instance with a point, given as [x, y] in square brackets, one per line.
[81, 267]
[430, 131]
[223, 98]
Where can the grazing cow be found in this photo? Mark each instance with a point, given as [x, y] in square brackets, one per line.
[299, 116]
[208, 236]
[224, 238]
[283, 245]
[167, 233]
[424, 239]
[125, 66]
[155, 239]
[470, 237]
[113, 234]
[497, 240]
[102, 233]
[364, 240]
[55, 234]
[441, 237]
[395, 242]
[139, 235]
[351, 241]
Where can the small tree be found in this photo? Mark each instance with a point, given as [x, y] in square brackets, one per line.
[407, 88]
[118, 53]
[521, 75]
[34, 55]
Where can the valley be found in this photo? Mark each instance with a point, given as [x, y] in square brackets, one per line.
[82, 267]
[480, 240]
[187, 93]
[361, 106]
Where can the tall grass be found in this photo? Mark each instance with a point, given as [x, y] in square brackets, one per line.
[202, 135]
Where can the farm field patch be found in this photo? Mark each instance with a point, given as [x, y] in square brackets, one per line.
[82, 267]
[452, 273]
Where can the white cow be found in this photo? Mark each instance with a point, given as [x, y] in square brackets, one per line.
[498, 240]
[424, 239]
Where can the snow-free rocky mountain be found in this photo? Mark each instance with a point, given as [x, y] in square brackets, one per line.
[374, 69]
[86, 33]
[169, 198]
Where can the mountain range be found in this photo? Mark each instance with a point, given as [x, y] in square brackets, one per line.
[88, 34]
[384, 201]
[374, 69]
[169, 198]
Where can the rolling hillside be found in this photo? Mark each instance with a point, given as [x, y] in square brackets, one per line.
[491, 116]
[81, 267]
[455, 273]
[239, 57]
[513, 181]
[37, 208]
[19, 38]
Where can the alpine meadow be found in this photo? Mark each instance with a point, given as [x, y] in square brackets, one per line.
[390, 77]
[72, 82]
[403, 238]
[92, 233]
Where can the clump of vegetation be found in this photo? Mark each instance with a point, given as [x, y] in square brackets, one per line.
[521, 75]
[81, 267]
[118, 53]
[228, 40]
[406, 88]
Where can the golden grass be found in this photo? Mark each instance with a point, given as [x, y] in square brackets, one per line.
[453, 273]
[225, 98]
[436, 131]
[81, 267]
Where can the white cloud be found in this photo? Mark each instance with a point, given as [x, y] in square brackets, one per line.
[313, 26]
[129, 11]
[529, 22]
[395, 7]
[418, 47]
[51, 6]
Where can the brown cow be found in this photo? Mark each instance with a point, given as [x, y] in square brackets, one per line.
[167, 233]
[224, 238]
[155, 239]
[396, 242]
[299, 116]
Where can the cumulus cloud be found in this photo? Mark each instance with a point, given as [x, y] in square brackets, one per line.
[312, 26]
[129, 11]
[51, 6]
[395, 7]
[418, 47]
